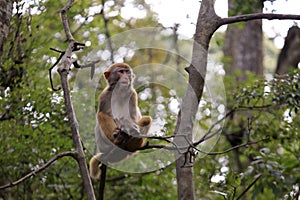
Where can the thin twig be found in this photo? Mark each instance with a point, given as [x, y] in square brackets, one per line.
[56, 50]
[50, 71]
[208, 135]
[107, 32]
[91, 65]
[248, 188]
[40, 169]
[233, 148]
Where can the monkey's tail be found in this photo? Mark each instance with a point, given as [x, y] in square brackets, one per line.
[94, 166]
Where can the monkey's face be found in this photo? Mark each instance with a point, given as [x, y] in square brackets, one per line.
[125, 77]
[119, 75]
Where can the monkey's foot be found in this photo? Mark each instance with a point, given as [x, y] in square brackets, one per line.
[117, 132]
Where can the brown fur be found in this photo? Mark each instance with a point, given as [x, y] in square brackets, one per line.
[118, 118]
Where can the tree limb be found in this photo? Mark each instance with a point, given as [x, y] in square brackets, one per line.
[107, 32]
[248, 143]
[63, 70]
[65, 22]
[248, 17]
[40, 169]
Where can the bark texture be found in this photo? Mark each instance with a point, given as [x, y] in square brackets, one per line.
[207, 23]
[5, 17]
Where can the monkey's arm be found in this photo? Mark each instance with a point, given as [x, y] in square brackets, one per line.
[107, 125]
[144, 122]
[134, 110]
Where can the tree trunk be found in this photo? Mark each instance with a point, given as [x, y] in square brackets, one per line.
[207, 24]
[243, 45]
[5, 17]
[289, 56]
[243, 51]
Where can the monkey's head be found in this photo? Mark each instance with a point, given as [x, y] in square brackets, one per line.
[119, 74]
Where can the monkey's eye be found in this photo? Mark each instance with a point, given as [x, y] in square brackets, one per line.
[124, 71]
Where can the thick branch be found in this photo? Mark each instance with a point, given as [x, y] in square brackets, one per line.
[40, 169]
[248, 17]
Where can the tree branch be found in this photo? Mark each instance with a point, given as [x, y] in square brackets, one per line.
[65, 20]
[248, 143]
[248, 17]
[40, 169]
[248, 188]
[63, 70]
[107, 32]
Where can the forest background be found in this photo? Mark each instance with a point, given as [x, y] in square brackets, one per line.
[252, 93]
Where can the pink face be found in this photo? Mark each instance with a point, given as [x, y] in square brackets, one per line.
[125, 76]
[120, 75]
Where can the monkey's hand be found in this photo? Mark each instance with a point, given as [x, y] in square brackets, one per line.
[117, 132]
[120, 137]
[128, 127]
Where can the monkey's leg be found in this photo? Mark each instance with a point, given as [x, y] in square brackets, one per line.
[135, 142]
[94, 166]
[145, 123]
[107, 124]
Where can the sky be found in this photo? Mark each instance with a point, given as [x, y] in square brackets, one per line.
[185, 13]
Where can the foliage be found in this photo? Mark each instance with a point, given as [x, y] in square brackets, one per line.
[263, 109]
[33, 122]
[244, 7]
[34, 128]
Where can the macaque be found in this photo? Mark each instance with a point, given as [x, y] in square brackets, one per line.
[119, 123]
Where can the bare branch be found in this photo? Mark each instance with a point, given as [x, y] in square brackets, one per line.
[233, 148]
[156, 146]
[65, 20]
[63, 72]
[50, 72]
[91, 65]
[248, 17]
[40, 169]
[107, 32]
[77, 47]
[208, 135]
[248, 188]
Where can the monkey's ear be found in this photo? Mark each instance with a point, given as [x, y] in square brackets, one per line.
[106, 74]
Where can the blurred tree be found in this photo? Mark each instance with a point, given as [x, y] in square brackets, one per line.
[6, 13]
[243, 61]
[289, 56]
[243, 41]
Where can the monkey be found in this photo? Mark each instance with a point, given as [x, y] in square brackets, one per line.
[119, 122]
